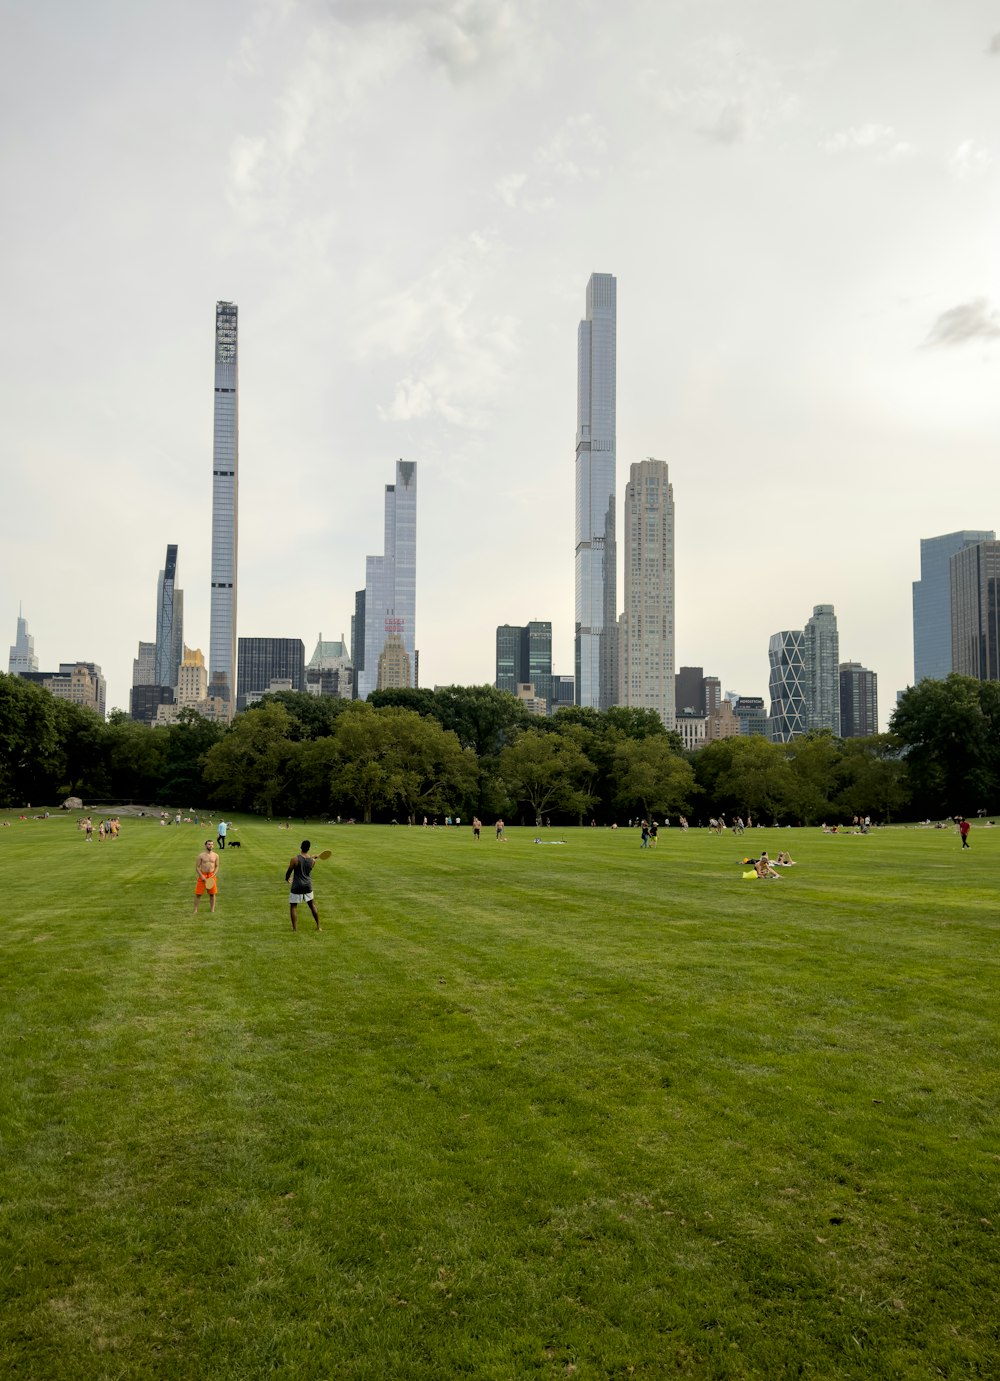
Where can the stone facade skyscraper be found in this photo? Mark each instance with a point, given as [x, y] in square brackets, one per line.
[390, 594]
[647, 625]
[596, 667]
[225, 509]
[823, 663]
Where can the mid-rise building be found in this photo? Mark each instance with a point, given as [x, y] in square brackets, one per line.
[721, 722]
[535, 704]
[222, 651]
[646, 629]
[596, 466]
[751, 712]
[932, 644]
[692, 725]
[192, 681]
[169, 622]
[263, 660]
[524, 655]
[389, 599]
[22, 653]
[394, 668]
[145, 701]
[563, 693]
[858, 701]
[81, 683]
[695, 691]
[975, 611]
[329, 671]
[144, 665]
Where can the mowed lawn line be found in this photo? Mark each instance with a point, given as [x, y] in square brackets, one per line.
[563, 1100]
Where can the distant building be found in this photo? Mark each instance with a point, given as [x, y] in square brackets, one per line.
[721, 722]
[81, 683]
[804, 678]
[22, 653]
[532, 702]
[695, 691]
[389, 604]
[169, 622]
[524, 655]
[751, 712]
[596, 577]
[858, 701]
[932, 645]
[975, 611]
[144, 665]
[822, 663]
[263, 660]
[692, 725]
[222, 649]
[329, 671]
[646, 628]
[192, 681]
[563, 693]
[145, 702]
[394, 667]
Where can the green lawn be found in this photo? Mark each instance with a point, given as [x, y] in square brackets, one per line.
[517, 1111]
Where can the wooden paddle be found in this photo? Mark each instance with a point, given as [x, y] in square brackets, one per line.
[325, 854]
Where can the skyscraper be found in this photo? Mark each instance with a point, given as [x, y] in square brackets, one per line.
[524, 657]
[225, 508]
[823, 662]
[169, 622]
[22, 653]
[975, 611]
[932, 602]
[647, 625]
[858, 701]
[390, 593]
[596, 552]
[263, 660]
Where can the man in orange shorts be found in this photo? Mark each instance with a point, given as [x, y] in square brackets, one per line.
[207, 876]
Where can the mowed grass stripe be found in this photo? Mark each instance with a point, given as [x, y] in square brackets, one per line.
[517, 1108]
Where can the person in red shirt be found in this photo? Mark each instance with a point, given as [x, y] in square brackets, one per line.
[963, 829]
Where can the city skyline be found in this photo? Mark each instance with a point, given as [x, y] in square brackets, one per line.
[807, 315]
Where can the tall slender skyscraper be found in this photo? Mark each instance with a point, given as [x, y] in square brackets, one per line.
[596, 553]
[647, 625]
[805, 678]
[169, 622]
[932, 602]
[390, 595]
[225, 508]
[22, 653]
[823, 665]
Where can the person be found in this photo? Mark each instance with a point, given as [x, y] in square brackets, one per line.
[477, 825]
[654, 832]
[763, 867]
[963, 829]
[300, 871]
[645, 835]
[499, 829]
[221, 830]
[206, 870]
[785, 859]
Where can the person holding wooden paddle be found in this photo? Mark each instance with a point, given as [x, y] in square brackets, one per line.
[299, 870]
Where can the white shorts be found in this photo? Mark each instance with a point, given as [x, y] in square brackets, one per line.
[296, 897]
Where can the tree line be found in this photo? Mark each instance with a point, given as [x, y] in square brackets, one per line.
[464, 750]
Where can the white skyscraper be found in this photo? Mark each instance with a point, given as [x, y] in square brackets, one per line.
[596, 554]
[225, 508]
[22, 653]
[388, 607]
[647, 625]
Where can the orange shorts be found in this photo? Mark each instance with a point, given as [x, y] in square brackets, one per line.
[206, 884]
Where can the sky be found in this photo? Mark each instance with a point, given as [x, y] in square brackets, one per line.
[406, 199]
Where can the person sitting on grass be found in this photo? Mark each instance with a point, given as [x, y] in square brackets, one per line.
[784, 860]
[763, 867]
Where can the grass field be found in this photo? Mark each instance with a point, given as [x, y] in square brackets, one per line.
[517, 1111]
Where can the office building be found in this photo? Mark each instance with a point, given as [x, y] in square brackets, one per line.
[751, 712]
[222, 652]
[145, 701]
[389, 598]
[22, 654]
[524, 655]
[804, 681]
[394, 666]
[822, 663]
[263, 660]
[169, 622]
[329, 671]
[596, 651]
[975, 611]
[192, 680]
[144, 665]
[647, 624]
[695, 691]
[858, 701]
[80, 683]
[721, 722]
[692, 725]
[932, 653]
[563, 693]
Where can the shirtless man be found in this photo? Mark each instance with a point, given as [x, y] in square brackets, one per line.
[207, 876]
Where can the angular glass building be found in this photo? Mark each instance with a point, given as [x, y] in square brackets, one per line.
[169, 622]
[225, 508]
[932, 602]
[788, 686]
[596, 459]
[390, 594]
[647, 625]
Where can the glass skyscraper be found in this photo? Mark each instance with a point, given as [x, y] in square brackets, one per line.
[823, 669]
[975, 611]
[524, 657]
[225, 508]
[805, 678]
[647, 625]
[932, 602]
[858, 701]
[22, 653]
[390, 595]
[596, 553]
[169, 622]
[787, 684]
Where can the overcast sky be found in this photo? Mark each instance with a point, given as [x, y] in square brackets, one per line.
[406, 199]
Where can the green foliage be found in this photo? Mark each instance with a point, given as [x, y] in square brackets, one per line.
[741, 776]
[251, 767]
[951, 732]
[30, 747]
[648, 774]
[547, 772]
[483, 718]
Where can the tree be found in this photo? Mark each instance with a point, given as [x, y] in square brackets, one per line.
[184, 746]
[814, 759]
[547, 771]
[743, 776]
[951, 731]
[135, 757]
[484, 718]
[250, 768]
[30, 747]
[873, 778]
[650, 776]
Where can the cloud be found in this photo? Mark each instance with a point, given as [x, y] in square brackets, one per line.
[970, 159]
[970, 321]
[732, 95]
[458, 350]
[573, 154]
[881, 140]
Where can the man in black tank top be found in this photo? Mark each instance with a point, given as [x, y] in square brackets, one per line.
[299, 870]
